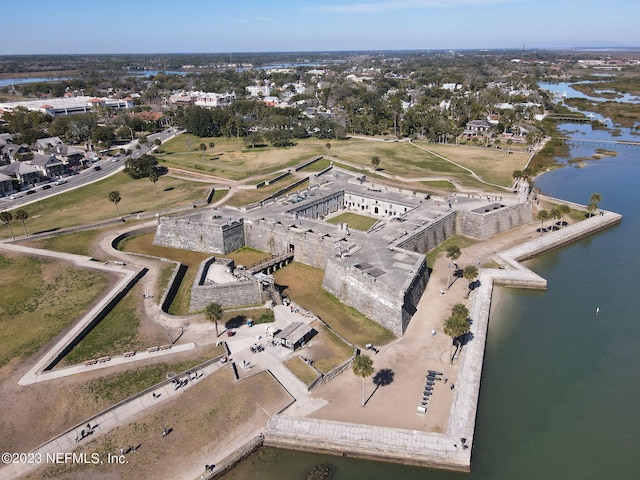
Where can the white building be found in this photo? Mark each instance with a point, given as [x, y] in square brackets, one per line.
[68, 105]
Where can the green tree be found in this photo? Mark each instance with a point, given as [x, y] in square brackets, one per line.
[213, 313]
[375, 161]
[23, 215]
[595, 199]
[453, 253]
[460, 310]
[6, 218]
[543, 216]
[104, 135]
[253, 139]
[470, 273]
[455, 327]
[328, 147]
[211, 145]
[154, 176]
[564, 210]
[203, 148]
[555, 214]
[362, 367]
[115, 198]
[140, 167]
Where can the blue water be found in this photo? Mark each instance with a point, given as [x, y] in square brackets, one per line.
[4, 82]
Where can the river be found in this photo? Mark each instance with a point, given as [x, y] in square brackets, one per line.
[560, 394]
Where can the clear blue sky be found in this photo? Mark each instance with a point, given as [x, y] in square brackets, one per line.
[187, 26]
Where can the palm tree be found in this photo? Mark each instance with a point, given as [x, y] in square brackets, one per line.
[154, 176]
[453, 253]
[6, 217]
[470, 273]
[455, 327]
[375, 161]
[23, 215]
[564, 210]
[363, 367]
[595, 199]
[115, 198]
[213, 313]
[460, 310]
[542, 216]
[555, 214]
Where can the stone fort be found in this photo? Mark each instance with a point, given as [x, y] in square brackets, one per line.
[381, 272]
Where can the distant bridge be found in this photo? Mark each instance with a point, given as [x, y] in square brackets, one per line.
[604, 143]
[570, 118]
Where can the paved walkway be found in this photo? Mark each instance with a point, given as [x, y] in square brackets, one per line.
[117, 415]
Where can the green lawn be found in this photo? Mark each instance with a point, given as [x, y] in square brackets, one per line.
[118, 386]
[114, 335]
[303, 285]
[358, 222]
[300, 369]
[78, 243]
[39, 299]
[91, 204]
[230, 159]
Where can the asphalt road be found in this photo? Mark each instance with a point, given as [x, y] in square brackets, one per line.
[107, 167]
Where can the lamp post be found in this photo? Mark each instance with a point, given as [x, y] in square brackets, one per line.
[448, 274]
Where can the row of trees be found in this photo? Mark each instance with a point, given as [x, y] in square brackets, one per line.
[6, 218]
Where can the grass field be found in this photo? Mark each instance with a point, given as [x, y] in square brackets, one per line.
[303, 285]
[119, 386]
[358, 222]
[115, 334]
[91, 204]
[78, 243]
[143, 244]
[301, 370]
[233, 161]
[180, 306]
[39, 299]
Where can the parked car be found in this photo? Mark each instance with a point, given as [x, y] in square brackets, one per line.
[60, 181]
[45, 187]
[30, 192]
[97, 168]
[13, 196]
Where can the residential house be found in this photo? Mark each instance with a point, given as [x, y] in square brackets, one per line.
[24, 173]
[476, 129]
[5, 138]
[6, 185]
[44, 145]
[70, 156]
[12, 153]
[48, 165]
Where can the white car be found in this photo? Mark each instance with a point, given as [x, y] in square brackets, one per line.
[61, 181]
[13, 196]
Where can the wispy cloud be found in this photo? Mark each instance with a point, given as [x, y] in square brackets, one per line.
[390, 5]
[254, 19]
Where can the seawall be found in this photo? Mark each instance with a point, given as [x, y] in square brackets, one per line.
[437, 450]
